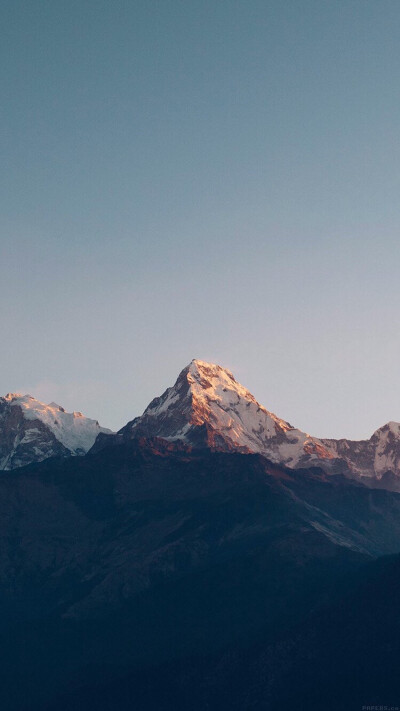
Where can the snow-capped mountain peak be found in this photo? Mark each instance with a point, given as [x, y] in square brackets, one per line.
[218, 399]
[207, 406]
[31, 430]
[215, 389]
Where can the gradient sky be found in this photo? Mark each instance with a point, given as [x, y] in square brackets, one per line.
[205, 179]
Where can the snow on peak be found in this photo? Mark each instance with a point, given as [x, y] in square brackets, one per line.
[207, 395]
[391, 428]
[386, 442]
[74, 431]
[215, 391]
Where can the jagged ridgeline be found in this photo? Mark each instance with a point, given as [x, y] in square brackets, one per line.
[206, 407]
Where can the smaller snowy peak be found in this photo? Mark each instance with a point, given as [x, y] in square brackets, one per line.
[370, 458]
[76, 432]
[391, 429]
[386, 443]
[31, 430]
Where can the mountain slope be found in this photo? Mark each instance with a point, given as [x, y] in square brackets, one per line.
[337, 658]
[207, 407]
[31, 431]
[151, 552]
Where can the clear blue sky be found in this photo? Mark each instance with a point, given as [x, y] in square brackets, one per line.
[205, 179]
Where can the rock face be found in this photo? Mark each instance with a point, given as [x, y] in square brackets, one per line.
[31, 431]
[207, 407]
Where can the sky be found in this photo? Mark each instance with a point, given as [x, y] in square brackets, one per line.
[198, 179]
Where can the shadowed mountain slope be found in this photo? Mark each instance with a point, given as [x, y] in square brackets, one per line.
[150, 553]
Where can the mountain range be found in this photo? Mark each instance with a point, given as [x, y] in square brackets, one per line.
[208, 556]
[206, 407]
